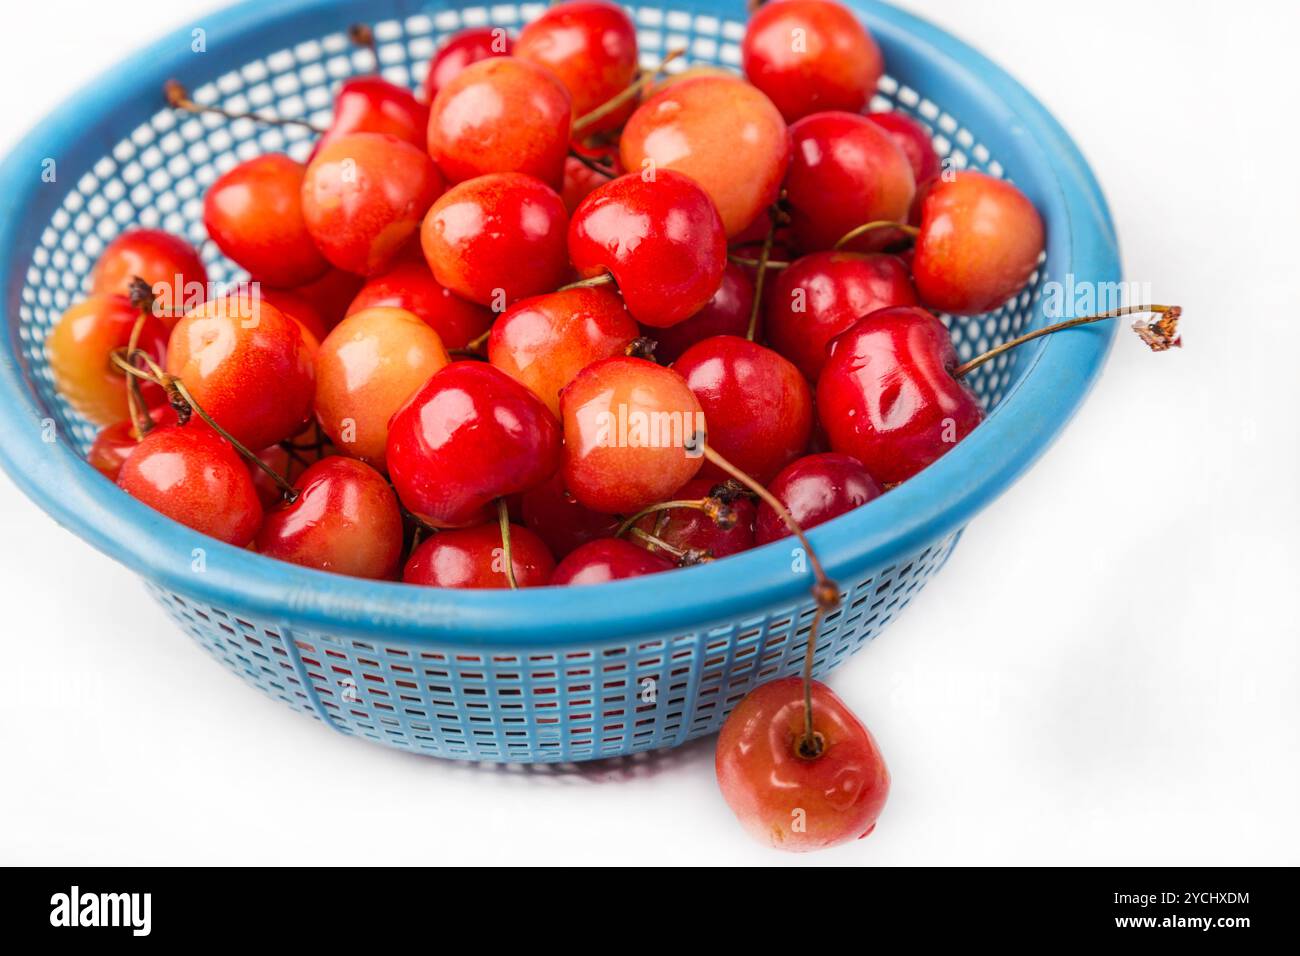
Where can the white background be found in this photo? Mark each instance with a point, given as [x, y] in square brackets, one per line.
[1106, 672]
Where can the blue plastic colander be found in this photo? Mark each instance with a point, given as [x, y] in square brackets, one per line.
[550, 674]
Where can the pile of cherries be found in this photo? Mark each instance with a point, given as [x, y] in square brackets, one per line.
[561, 320]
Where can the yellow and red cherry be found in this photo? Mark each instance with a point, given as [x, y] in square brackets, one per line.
[821, 295]
[345, 520]
[980, 242]
[758, 405]
[630, 434]
[363, 198]
[555, 516]
[660, 238]
[79, 348]
[546, 340]
[887, 395]
[497, 239]
[193, 475]
[809, 56]
[370, 104]
[607, 559]
[501, 115]
[169, 264]
[786, 796]
[815, 489]
[722, 133]
[475, 558]
[591, 48]
[366, 369]
[470, 435]
[410, 285]
[462, 49]
[727, 313]
[254, 215]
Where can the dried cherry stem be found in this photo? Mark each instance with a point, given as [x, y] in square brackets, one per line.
[603, 279]
[826, 593]
[723, 515]
[632, 90]
[859, 231]
[178, 97]
[503, 518]
[594, 165]
[764, 255]
[642, 347]
[1159, 334]
[754, 263]
[142, 298]
[475, 345]
[361, 35]
[685, 557]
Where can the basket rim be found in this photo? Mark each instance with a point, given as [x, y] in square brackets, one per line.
[941, 499]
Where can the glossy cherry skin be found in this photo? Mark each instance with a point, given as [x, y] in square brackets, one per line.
[545, 341]
[692, 529]
[330, 294]
[758, 406]
[345, 520]
[410, 285]
[366, 369]
[462, 49]
[193, 475]
[254, 215]
[788, 801]
[248, 365]
[475, 558]
[629, 434]
[79, 347]
[608, 559]
[661, 239]
[364, 196]
[471, 435]
[846, 172]
[727, 313]
[591, 48]
[497, 239]
[835, 67]
[722, 133]
[114, 444]
[915, 142]
[980, 242]
[557, 518]
[887, 396]
[501, 115]
[370, 104]
[168, 263]
[815, 489]
[821, 295]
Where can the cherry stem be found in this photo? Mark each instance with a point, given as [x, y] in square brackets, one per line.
[503, 518]
[859, 231]
[722, 514]
[1159, 335]
[603, 279]
[754, 263]
[475, 345]
[642, 347]
[618, 99]
[179, 98]
[764, 255]
[361, 35]
[685, 557]
[594, 165]
[142, 298]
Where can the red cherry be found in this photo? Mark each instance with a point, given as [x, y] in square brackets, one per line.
[722, 133]
[690, 529]
[846, 171]
[114, 444]
[369, 104]
[887, 396]
[254, 215]
[980, 241]
[248, 365]
[462, 49]
[545, 341]
[580, 180]
[607, 559]
[661, 239]
[497, 238]
[591, 48]
[811, 55]
[79, 347]
[329, 295]
[475, 558]
[815, 489]
[364, 196]
[285, 465]
[296, 307]
[758, 406]
[501, 115]
[727, 313]
[345, 520]
[410, 285]
[821, 295]
[470, 435]
[557, 518]
[629, 431]
[915, 142]
[167, 263]
[789, 801]
[192, 475]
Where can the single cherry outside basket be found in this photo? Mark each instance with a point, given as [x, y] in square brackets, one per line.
[549, 674]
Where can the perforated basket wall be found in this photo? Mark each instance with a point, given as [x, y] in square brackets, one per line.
[585, 693]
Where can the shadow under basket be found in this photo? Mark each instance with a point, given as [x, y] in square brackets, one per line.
[548, 674]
